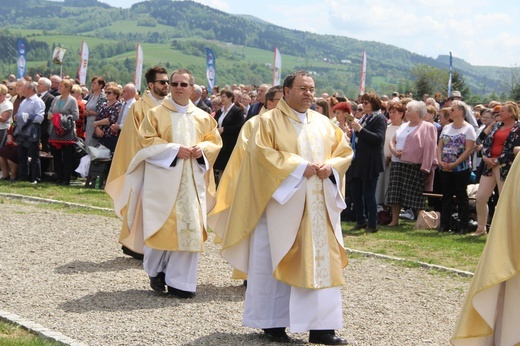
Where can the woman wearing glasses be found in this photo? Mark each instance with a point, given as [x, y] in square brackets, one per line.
[454, 150]
[498, 156]
[108, 115]
[368, 138]
[95, 100]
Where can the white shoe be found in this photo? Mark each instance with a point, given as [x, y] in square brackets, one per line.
[407, 214]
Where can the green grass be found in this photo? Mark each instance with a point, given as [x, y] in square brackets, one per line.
[429, 246]
[75, 193]
[13, 335]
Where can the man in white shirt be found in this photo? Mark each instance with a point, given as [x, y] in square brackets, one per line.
[128, 99]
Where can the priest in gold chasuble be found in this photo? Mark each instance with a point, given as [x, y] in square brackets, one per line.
[284, 227]
[169, 187]
[127, 147]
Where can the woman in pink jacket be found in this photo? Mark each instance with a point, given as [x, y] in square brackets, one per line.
[414, 158]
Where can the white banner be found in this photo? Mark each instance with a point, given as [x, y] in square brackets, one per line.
[277, 67]
[363, 73]
[138, 67]
[83, 64]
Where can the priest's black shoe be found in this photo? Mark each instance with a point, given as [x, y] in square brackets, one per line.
[326, 337]
[157, 283]
[180, 293]
[277, 334]
[131, 253]
[358, 227]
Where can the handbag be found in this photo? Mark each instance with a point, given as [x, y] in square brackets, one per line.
[99, 152]
[384, 216]
[63, 130]
[428, 220]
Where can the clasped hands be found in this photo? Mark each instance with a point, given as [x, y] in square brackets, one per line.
[188, 152]
[323, 171]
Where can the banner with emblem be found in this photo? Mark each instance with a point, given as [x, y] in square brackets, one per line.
[22, 58]
[211, 72]
[58, 55]
[83, 64]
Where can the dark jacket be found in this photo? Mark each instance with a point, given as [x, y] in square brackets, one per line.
[369, 160]
[232, 124]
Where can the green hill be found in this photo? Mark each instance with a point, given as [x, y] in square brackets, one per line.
[174, 33]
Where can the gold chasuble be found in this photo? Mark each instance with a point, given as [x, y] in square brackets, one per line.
[491, 311]
[126, 150]
[167, 206]
[304, 231]
[218, 216]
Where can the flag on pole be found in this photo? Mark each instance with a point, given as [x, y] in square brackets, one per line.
[451, 71]
[83, 64]
[138, 67]
[22, 53]
[277, 67]
[363, 73]
[58, 54]
[211, 72]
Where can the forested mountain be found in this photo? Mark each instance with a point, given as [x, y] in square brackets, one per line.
[187, 27]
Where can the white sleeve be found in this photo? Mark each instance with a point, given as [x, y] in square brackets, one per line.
[165, 158]
[340, 202]
[291, 184]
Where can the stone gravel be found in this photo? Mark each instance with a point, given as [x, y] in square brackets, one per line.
[65, 270]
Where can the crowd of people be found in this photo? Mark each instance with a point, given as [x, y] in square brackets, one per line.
[259, 162]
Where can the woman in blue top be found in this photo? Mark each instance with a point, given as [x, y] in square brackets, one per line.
[454, 150]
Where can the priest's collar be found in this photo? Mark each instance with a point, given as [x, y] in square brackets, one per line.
[155, 100]
[179, 108]
[292, 113]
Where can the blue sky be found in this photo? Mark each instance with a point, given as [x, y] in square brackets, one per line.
[482, 32]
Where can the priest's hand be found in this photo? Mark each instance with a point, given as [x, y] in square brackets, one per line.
[196, 152]
[324, 171]
[184, 153]
[311, 170]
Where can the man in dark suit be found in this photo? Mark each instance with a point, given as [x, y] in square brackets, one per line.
[197, 100]
[260, 98]
[230, 119]
[44, 84]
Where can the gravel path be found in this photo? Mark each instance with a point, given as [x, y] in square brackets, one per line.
[66, 272]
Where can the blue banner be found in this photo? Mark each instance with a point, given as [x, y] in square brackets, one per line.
[451, 70]
[20, 65]
[211, 72]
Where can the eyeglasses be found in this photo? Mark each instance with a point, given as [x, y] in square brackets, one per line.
[360, 109]
[162, 81]
[182, 84]
[305, 89]
[108, 92]
[365, 102]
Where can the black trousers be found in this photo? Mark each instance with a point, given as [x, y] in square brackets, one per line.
[24, 153]
[63, 162]
[455, 184]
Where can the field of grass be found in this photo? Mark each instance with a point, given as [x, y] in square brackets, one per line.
[429, 246]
